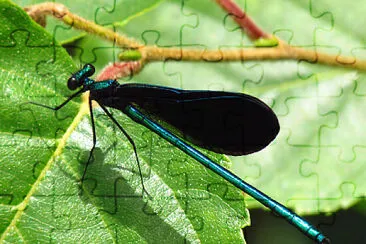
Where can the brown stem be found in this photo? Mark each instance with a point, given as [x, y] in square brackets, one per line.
[283, 51]
[152, 53]
[38, 12]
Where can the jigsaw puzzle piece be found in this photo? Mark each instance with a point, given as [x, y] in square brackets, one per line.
[163, 33]
[193, 194]
[68, 214]
[27, 137]
[121, 11]
[115, 186]
[23, 136]
[340, 151]
[160, 31]
[338, 188]
[343, 32]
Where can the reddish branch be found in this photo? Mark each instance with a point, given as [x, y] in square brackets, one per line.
[243, 20]
[119, 70]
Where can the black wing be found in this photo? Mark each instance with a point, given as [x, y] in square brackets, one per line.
[223, 122]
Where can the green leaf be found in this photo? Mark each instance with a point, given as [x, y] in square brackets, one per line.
[43, 155]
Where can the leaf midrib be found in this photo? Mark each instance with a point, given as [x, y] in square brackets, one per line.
[22, 206]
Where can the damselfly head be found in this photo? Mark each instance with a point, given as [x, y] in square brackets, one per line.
[78, 78]
[88, 69]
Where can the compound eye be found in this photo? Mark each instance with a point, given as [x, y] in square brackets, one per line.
[72, 83]
[89, 70]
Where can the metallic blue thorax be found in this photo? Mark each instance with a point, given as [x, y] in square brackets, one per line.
[98, 85]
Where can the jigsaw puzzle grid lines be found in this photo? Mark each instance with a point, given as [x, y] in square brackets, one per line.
[321, 104]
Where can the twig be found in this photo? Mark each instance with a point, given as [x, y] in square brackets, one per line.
[244, 21]
[38, 12]
[153, 53]
[282, 51]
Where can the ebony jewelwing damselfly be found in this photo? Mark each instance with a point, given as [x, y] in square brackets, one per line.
[222, 122]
